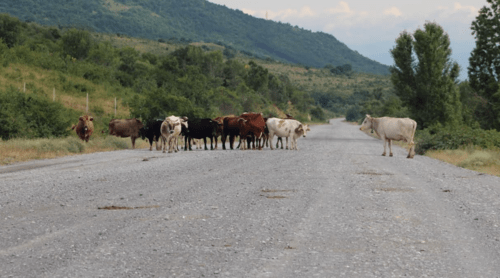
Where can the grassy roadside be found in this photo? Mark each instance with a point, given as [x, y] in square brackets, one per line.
[19, 150]
[481, 160]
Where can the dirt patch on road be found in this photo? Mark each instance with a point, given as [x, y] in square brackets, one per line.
[120, 208]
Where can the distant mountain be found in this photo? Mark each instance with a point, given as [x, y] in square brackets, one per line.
[195, 20]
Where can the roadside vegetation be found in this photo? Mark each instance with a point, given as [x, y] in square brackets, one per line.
[20, 149]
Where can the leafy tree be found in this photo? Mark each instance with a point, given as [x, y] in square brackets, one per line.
[257, 77]
[31, 116]
[102, 54]
[318, 114]
[484, 67]
[77, 43]
[427, 84]
[10, 28]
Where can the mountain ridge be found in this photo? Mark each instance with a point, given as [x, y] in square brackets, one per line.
[196, 20]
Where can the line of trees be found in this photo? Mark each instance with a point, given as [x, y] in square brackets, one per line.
[426, 80]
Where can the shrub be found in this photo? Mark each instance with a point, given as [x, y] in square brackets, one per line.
[31, 116]
[439, 138]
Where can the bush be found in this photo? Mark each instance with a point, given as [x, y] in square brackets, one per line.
[353, 114]
[439, 138]
[31, 116]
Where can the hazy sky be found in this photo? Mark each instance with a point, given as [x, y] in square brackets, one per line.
[371, 27]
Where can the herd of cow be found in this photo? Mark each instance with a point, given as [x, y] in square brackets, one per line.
[257, 130]
[250, 126]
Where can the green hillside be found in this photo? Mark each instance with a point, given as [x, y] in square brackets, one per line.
[194, 21]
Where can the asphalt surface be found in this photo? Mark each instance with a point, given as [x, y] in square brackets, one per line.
[334, 208]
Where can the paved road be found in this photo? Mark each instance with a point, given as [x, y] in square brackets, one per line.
[335, 208]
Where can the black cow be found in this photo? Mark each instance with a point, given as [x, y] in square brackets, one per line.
[152, 131]
[200, 129]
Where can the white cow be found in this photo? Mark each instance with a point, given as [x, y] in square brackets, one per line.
[392, 129]
[288, 128]
[170, 131]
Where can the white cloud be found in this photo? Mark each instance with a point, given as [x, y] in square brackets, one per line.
[250, 12]
[456, 13]
[472, 10]
[342, 8]
[306, 11]
[393, 11]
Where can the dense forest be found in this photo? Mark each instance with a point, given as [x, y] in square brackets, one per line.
[194, 21]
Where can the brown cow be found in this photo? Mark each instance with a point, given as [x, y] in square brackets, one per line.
[84, 128]
[253, 125]
[230, 128]
[126, 128]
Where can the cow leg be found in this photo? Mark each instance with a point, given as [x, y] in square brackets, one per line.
[171, 144]
[151, 143]
[223, 139]
[239, 143]
[286, 144]
[211, 140]
[133, 142]
[385, 142]
[411, 152]
[270, 138]
[389, 141]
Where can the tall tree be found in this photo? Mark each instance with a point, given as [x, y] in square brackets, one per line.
[425, 78]
[484, 64]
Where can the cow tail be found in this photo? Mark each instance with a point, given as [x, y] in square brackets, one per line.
[412, 144]
[413, 132]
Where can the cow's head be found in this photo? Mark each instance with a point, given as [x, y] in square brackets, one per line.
[143, 132]
[216, 128]
[139, 123]
[302, 129]
[84, 121]
[172, 125]
[367, 123]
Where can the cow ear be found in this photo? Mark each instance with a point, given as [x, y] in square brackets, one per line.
[91, 118]
[81, 118]
[368, 116]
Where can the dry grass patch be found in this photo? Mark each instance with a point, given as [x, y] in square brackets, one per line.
[19, 150]
[484, 161]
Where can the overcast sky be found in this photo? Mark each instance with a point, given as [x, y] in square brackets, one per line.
[371, 27]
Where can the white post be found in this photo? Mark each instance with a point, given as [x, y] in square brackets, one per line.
[54, 94]
[87, 109]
